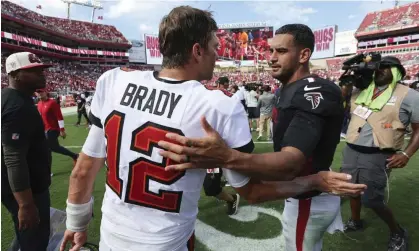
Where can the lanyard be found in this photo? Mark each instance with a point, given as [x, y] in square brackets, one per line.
[377, 93]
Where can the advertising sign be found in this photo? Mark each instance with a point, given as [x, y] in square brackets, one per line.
[346, 43]
[137, 52]
[324, 42]
[152, 51]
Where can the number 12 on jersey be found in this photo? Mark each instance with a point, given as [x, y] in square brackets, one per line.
[141, 170]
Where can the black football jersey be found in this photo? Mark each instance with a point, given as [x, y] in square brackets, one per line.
[310, 116]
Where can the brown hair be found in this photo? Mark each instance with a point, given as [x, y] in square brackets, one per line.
[180, 30]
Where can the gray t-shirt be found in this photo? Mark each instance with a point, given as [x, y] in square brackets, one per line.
[409, 113]
[266, 102]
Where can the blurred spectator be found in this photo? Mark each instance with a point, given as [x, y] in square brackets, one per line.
[74, 28]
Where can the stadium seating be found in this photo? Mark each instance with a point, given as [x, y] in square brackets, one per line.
[409, 60]
[368, 20]
[240, 77]
[68, 75]
[77, 29]
[402, 15]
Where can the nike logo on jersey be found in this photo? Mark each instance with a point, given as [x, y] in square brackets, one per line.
[157, 102]
[306, 88]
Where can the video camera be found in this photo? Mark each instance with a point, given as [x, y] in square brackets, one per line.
[359, 70]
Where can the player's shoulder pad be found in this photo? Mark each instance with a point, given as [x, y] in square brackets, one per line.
[107, 77]
[222, 103]
[318, 96]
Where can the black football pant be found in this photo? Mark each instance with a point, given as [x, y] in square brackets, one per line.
[212, 184]
[84, 113]
[54, 145]
[37, 238]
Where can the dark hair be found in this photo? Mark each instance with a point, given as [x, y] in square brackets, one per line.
[223, 80]
[180, 30]
[266, 88]
[303, 35]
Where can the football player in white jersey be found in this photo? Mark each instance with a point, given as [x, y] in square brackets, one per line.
[144, 206]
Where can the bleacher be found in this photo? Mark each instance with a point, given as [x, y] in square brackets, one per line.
[69, 75]
[77, 29]
[381, 20]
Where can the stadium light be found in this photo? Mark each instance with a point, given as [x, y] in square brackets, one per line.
[95, 4]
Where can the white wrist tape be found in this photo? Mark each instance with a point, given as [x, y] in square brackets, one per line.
[61, 123]
[79, 215]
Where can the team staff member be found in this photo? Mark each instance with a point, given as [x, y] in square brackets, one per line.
[81, 109]
[305, 139]
[252, 109]
[53, 124]
[265, 104]
[381, 114]
[26, 158]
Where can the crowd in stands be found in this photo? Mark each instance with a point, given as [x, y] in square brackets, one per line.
[243, 77]
[244, 44]
[409, 60]
[402, 15]
[70, 76]
[77, 29]
[67, 76]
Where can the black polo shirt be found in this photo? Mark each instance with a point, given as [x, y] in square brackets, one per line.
[21, 128]
[310, 115]
[80, 102]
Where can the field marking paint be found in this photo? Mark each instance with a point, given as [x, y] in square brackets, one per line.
[214, 239]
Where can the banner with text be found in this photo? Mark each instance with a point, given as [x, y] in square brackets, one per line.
[324, 46]
[137, 52]
[346, 43]
[152, 51]
[51, 46]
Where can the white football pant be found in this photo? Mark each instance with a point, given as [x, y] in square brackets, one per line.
[305, 221]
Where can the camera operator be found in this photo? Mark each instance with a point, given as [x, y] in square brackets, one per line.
[381, 112]
[346, 94]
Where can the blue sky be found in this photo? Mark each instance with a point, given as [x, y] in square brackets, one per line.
[136, 17]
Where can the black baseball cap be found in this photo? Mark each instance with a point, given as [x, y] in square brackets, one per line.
[393, 61]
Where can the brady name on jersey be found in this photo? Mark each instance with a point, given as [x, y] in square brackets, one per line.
[151, 100]
[146, 207]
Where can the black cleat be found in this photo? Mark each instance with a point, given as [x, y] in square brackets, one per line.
[398, 241]
[233, 207]
[353, 226]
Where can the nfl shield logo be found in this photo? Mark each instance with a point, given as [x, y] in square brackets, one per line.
[15, 136]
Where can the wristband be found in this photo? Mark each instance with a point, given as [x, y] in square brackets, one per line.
[78, 216]
[405, 154]
[61, 124]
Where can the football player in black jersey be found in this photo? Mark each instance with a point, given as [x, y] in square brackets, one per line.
[305, 139]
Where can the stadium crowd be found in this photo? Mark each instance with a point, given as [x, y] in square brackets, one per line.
[77, 29]
[403, 15]
[68, 76]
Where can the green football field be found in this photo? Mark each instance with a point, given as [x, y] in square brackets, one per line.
[254, 227]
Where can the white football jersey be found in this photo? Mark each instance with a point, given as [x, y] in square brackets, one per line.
[146, 207]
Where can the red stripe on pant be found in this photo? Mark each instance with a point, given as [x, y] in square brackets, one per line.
[191, 243]
[303, 216]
